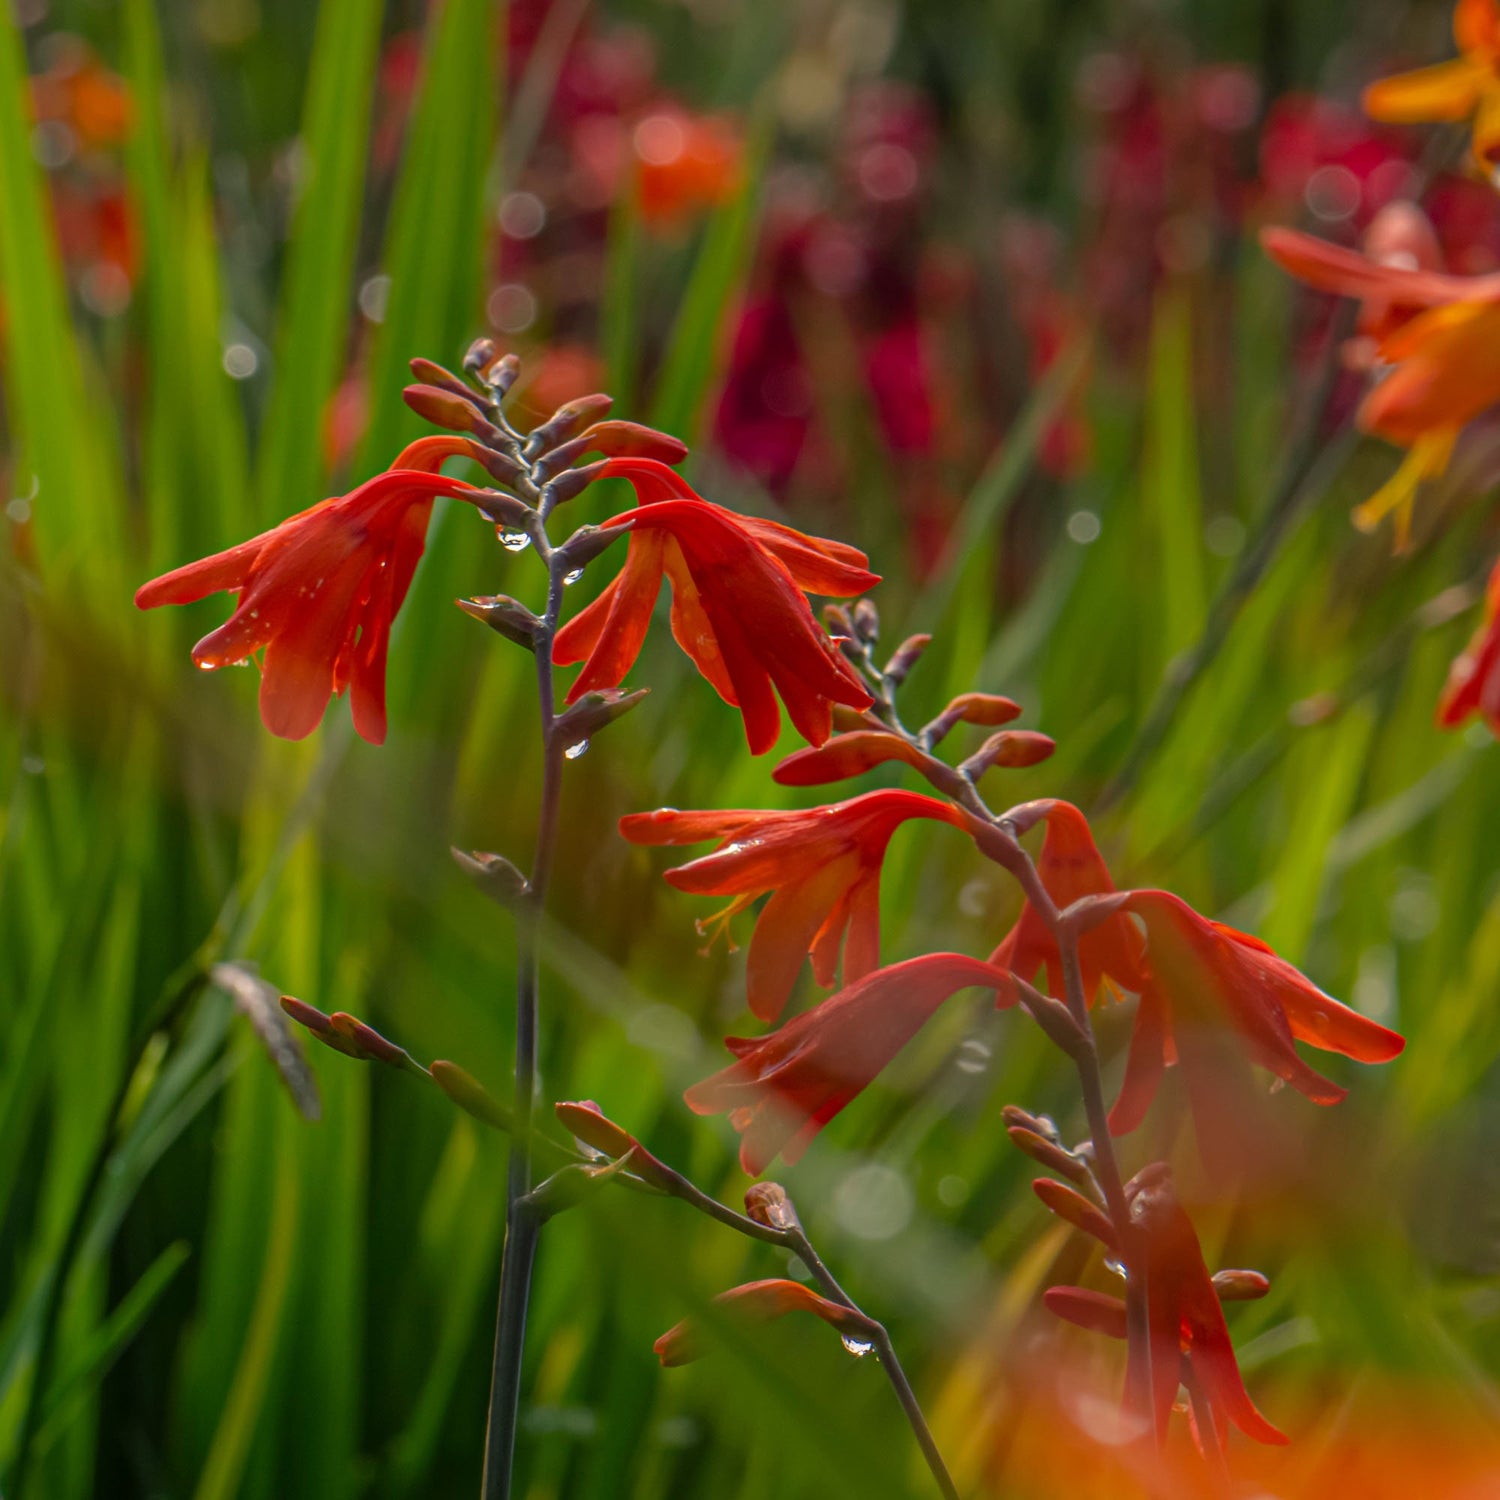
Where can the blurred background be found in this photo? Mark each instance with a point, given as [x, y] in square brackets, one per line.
[974, 286]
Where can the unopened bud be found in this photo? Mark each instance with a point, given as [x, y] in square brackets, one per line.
[565, 422]
[767, 1203]
[587, 543]
[480, 355]
[1055, 1019]
[1048, 1154]
[593, 711]
[508, 616]
[370, 1044]
[445, 409]
[906, 656]
[495, 875]
[837, 621]
[988, 710]
[320, 1025]
[1240, 1286]
[573, 482]
[1076, 1210]
[469, 1094]
[1017, 1118]
[866, 620]
[622, 439]
[1011, 748]
[501, 375]
[586, 1122]
[430, 373]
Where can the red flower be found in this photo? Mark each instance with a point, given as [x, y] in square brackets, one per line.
[1216, 1000]
[783, 1088]
[1473, 684]
[759, 1302]
[737, 609]
[319, 592]
[822, 866]
[1186, 1320]
[1070, 867]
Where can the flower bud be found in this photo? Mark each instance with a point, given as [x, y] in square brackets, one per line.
[469, 1094]
[988, 710]
[586, 1122]
[621, 439]
[501, 375]
[1048, 1154]
[495, 875]
[444, 409]
[844, 756]
[588, 542]
[1240, 1286]
[371, 1045]
[321, 1026]
[573, 482]
[564, 422]
[508, 616]
[1055, 1019]
[429, 373]
[593, 711]
[1092, 1310]
[480, 355]
[906, 656]
[866, 620]
[767, 1203]
[837, 621]
[1076, 1210]
[1010, 748]
[1042, 1125]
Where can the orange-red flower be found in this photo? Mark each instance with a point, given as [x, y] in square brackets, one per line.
[1070, 867]
[685, 164]
[783, 1088]
[319, 592]
[822, 866]
[1439, 336]
[1214, 1001]
[1473, 684]
[737, 606]
[759, 1302]
[1468, 86]
[1186, 1320]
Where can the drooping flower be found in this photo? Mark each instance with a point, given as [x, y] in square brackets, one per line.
[737, 606]
[760, 1302]
[1439, 341]
[1473, 684]
[318, 593]
[1070, 867]
[1187, 1327]
[822, 866]
[1214, 1001]
[783, 1088]
[1468, 87]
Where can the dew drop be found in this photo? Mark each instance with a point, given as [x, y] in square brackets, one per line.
[575, 750]
[1277, 1084]
[205, 666]
[857, 1347]
[1117, 1267]
[573, 577]
[514, 541]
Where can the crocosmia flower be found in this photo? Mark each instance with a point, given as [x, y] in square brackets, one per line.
[822, 867]
[1186, 1318]
[318, 593]
[1214, 1001]
[1441, 359]
[783, 1088]
[1466, 88]
[1473, 684]
[737, 606]
[1070, 867]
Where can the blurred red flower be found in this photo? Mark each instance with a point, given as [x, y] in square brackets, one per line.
[1473, 684]
[737, 606]
[783, 1088]
[319, 592]
[822, 867]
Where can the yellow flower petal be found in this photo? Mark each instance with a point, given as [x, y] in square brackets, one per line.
[1448, 91]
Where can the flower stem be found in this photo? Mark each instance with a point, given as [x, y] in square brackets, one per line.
[521, 1223]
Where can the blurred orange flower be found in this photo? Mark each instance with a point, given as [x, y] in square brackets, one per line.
[684, 164]
[822, 867]
[1440, 338]
[737, 606]
[758, 1302]
[1468, 87]
[783, 1088]
[319, 593]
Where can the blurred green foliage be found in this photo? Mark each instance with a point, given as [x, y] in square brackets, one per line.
[264, 1306]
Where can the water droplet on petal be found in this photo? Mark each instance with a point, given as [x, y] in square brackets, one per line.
[206, 666]
[579, 747]
[1118, 1267]
[573, 577]
[514, 541]
[856, 1347]
[1277, 1084]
